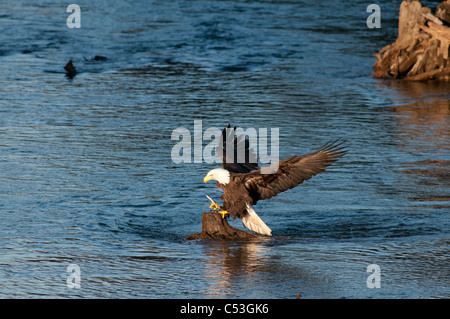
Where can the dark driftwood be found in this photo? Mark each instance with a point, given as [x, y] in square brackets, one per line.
[421, 51]
[216, 227]
[70, 69]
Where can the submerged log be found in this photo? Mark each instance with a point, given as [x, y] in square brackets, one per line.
[421, 51]
[216, 227]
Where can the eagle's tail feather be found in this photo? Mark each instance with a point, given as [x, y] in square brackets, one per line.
[254, 223]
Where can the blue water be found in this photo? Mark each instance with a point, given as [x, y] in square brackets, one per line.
[87, 178]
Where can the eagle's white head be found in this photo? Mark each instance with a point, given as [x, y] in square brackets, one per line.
[218, 174]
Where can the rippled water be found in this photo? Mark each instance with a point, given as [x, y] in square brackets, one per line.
[86, 175]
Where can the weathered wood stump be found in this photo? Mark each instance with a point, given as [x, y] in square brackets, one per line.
[443, 11]
[216, 227]
[421, 51]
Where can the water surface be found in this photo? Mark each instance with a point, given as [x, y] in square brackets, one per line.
[86, 175]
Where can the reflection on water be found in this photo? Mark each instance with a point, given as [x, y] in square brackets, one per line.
[423, 127]
[231, 265]
[423, 119]
[429, 181]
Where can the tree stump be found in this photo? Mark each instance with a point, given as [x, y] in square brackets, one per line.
[216, 227]
[421, 51]
[443, 11]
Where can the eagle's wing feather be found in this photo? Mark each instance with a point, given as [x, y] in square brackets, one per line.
[291, 171]
[229, 139]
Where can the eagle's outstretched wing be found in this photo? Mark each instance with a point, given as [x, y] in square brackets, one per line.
[240, 163]
[292, 171]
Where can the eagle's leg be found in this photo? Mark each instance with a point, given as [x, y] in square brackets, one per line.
[223, 213]
[214, 206]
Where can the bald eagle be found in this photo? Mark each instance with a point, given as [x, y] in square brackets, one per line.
[244, 184]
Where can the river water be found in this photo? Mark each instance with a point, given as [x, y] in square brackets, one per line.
[87, 178]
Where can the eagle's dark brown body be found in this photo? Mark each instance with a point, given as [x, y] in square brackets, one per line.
[236, 196]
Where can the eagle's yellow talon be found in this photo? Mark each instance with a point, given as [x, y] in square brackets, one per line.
[214, 206]
[223, 213]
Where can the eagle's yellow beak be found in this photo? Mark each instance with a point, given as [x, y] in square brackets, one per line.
[207, 178]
